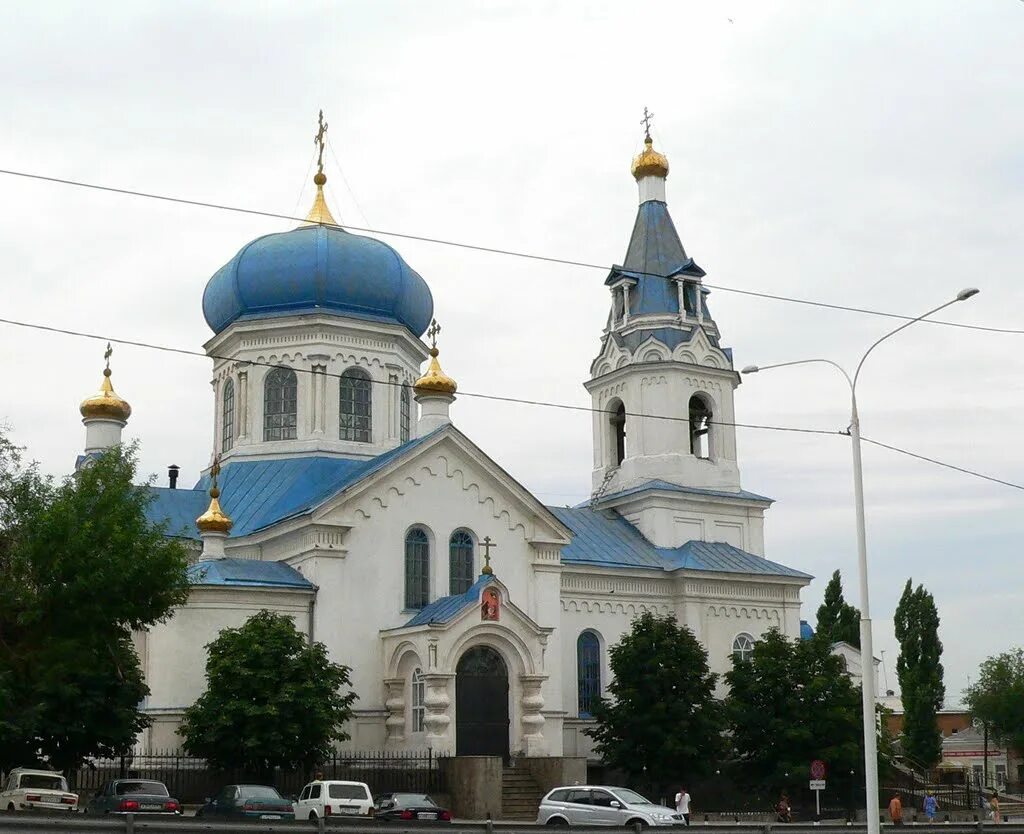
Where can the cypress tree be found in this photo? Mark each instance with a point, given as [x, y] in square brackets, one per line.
[837, 619]
[919, 670]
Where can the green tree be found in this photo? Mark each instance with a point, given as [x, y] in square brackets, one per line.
[82, 569]
[837, 619]
[272, 700]
[662, 716]
[789, 703]
[997, 697]
[919, 670]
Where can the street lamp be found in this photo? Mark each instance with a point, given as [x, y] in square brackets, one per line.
[868, 667]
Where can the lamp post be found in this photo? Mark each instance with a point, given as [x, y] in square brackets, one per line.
[866, 651]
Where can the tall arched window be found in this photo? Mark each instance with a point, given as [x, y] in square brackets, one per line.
[419, 711]
[617, 421]
[460, 562]
[743, 647]
[700, 427]
[280, 398]
[588, 672]
[227, 429]
[355, 420]
[417, 569]
[404, 414]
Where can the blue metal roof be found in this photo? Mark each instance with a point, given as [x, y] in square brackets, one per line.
[741, 495]
[247, 572]
[444, 609]
[260, 493]
[608, 540]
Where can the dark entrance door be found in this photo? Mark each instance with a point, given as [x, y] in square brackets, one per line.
[481, 704]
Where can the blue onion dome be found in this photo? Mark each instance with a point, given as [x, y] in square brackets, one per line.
[318, 267]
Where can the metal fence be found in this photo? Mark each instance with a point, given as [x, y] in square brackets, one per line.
[191, 780]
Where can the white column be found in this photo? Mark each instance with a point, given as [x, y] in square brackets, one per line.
[243, 405]
[437, 707]
[394, 703]
[625, 304]
[532, 721]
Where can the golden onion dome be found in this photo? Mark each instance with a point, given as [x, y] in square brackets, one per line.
[650, 163]
[214, 520]
[106, 405]
[435, 381]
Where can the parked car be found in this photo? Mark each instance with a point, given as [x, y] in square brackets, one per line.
[324, 798]
[259, 802]
[602, 805]
[408, 807]
[37, 790]
[133, 796]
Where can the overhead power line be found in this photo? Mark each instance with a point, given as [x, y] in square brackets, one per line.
[494, 250]
[516, 400]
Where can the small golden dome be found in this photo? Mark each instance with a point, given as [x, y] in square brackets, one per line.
[214, 520]
[320, 214]
[650, 163]
[106, 405]
[435, 381]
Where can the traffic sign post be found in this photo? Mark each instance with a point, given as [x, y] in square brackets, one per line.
[818, 771]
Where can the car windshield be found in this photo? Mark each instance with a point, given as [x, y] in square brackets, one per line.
[631, 797]
[259, 792]
[42, 782]
[405, 800]
[151, 788]
[347, 792]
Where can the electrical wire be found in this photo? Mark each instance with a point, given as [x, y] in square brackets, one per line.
[497, 251]
[516, 400]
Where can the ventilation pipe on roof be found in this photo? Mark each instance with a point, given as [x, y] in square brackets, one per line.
[172, 475]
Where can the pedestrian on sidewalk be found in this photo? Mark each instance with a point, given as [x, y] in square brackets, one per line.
[683, 804]
[931, 806]
[994, 803]
[896, 809]
[782, 809]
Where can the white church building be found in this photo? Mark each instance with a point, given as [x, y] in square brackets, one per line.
[476, 620]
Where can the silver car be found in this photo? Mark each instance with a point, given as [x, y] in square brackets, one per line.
[602, 805]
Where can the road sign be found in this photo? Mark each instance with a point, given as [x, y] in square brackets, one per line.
[817, 784]
[817, 769]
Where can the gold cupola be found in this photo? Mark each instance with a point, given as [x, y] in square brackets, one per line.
[214, 520]
[435, 380]
[106, 405]
[650, 163]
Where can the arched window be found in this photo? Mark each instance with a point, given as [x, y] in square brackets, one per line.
[404, 414]
[417, 569]
[227, 429]
[280, 396]
[355, 421]
[588, 672]
[418, 709]
[617, 421]
[743, 647]
[460, 562]
[700, 427]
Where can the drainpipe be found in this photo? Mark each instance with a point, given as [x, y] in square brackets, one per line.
[312, 611]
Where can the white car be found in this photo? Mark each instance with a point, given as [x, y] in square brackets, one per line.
[592, 805]
[37, 790]
[330, 797]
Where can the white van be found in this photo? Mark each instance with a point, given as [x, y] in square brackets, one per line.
[330, 797]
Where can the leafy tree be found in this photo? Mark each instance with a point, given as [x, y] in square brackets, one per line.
[837, 619]
[997, 697]
[919, 670]
[792, 702]
[662, 716]
[272, 699]
[82, 569]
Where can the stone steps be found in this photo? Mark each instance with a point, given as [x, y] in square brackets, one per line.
[520, 794]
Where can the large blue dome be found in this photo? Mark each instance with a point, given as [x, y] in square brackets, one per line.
[315, 268]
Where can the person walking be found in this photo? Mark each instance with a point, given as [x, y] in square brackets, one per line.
[896, 809]
[782, 809]
[683, 804]
[994, 803]
[931, 806]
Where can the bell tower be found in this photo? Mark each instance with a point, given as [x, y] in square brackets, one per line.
[662, 384]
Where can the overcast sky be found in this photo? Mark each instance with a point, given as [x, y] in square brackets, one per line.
[858, 153]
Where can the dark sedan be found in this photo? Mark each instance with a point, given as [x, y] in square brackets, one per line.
[259, 802]
[408, 807]
[133, 796]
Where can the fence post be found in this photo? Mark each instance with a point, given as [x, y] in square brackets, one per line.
[129, 823]
[320, 824]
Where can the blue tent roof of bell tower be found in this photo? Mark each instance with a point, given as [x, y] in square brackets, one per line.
[655, 252]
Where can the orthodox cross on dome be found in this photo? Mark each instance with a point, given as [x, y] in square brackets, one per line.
[432, 332]
[318, 140]
[487, 544]
[646, 122]
[107, 354]
[214, 471]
